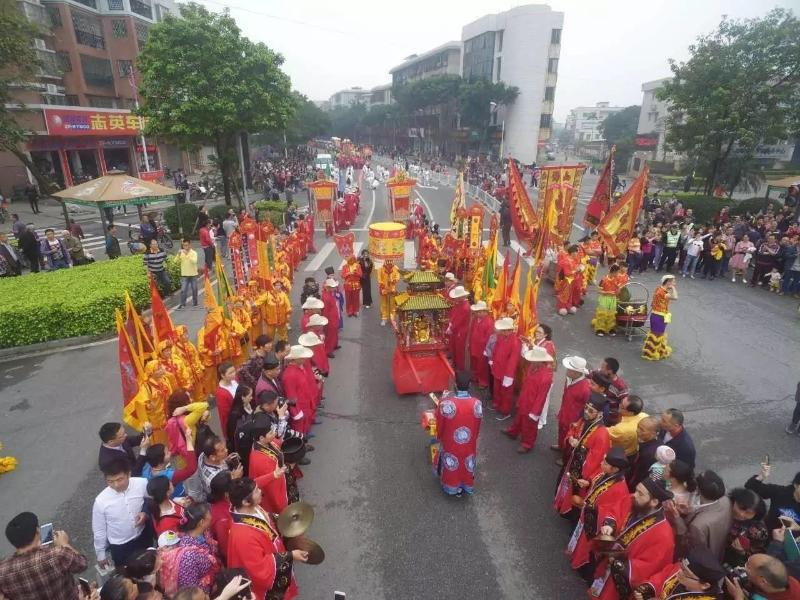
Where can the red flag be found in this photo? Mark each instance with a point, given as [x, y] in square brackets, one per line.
[523, 215]
[617, 226]
[129, 366]
[162, 323]
[344, 243]
[600, 203]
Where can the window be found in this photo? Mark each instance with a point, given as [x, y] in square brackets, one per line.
[71, 100]
[88, 30]
[97, 71]
[55, 16]
[499, 65]
[64, 62]
[550, 93]
[555, 36]
[500, 41]
[552, 65]
[545, 121]
[101, 102]
[124, 67]
[119, 27]
[142, 8]
[115, 5]
[89, 3]
[141, 33]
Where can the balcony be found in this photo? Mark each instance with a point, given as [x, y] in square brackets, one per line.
[35, 13]
[547, 106]
[90, 39]
[142, 8]
[89, 3]
[48, 64]
[551, 79]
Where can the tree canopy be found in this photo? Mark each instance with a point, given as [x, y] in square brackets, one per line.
[203, 82]
[739, 89]
[619, 129]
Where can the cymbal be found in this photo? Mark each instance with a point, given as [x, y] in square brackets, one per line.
[315, 552]
[295, 519]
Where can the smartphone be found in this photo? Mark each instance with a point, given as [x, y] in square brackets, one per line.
[339, 596]
[148, 430]
[86, 589]
[46, 532]
[766, 459]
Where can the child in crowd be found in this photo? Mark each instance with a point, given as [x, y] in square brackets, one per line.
[664, 456]
[774, 280]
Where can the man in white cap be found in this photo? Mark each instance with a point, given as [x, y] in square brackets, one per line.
[297, 388]
[450, 282]
[316, 325]
[504, 361]
[575, 396]
[312, 306]
[481, 328]
[532, 398]
[316, 375]
[331, 312]
[458, 328]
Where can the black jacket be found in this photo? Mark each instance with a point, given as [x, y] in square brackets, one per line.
[135, 460]
[781, 501]
[642, 463]
[28, 243]
[683, 446]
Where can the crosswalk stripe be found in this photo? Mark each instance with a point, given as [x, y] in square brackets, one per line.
[410, 256]
[315, 264]
[521, 251]
[356, 249]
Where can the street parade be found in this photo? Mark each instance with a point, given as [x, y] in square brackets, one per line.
[405, 372]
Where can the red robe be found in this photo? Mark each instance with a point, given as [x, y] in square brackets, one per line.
[568, 284]
[255, 545]
[458, 422]
[313, 385]
[331, 312]
[320, 359]
[664, 583]
[304, 321]
[263, 462]
[221, 525]
[505, 358]
[459, 327]
[295, 386]
[607, 503]
[593, 444]
[649, 543]
[481, 330]
[574, 398]
[531, 401]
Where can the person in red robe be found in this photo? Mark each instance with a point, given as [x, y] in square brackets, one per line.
[590, 442]
[226, 390]
[266, 466]
[340, 221]
[698, 576]
[313, 377]
[645, 545]
[532, 398]
[458, 422]
[503, 362]
[255, 545]
[316, 325]
[312, 306]
[604, 510]
[351, 206]
[458, 328]
[574, 397]
[481, 328]
[297, 389]
[351, 275]
[568, 283]
[331, 312]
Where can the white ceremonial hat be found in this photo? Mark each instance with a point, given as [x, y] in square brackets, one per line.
[298, 352]
[504, 324]
[331, 283]
[449, 276]
[479, 305]
[458, 292]
[317, 320]
[575, 363]
[313, 303]
[537, 354]
[309, 339]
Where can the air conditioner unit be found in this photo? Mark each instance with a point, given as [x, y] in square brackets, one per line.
[39, 44]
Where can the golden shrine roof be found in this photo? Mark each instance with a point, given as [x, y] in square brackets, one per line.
[423, 277]
[424, 302]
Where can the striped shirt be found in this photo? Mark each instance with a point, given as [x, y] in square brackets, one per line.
[155, 261]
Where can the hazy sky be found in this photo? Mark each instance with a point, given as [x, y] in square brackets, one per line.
[608, 47]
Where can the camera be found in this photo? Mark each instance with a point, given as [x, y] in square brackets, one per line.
[736, 574]
[283, 402]
[233, 461]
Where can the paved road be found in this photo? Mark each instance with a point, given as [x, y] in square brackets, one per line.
[387, 529]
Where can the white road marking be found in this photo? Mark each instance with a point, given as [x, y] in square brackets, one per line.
[356, 249]
[515, 246]
[579, 227]
[427, 206]
[410, 256]
[315, 264]
[371, 212]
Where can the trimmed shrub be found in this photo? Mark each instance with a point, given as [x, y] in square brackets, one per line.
[754, 205]
[273, 210]
[72, 302]
[218, 211]
[188, 218]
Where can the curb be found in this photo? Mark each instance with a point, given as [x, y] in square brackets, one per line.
[18, 352]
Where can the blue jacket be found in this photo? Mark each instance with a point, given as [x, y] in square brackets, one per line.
[683, 446]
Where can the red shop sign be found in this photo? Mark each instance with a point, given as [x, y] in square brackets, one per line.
[67, 122]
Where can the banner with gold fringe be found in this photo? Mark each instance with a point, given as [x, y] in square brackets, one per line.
[617, 226]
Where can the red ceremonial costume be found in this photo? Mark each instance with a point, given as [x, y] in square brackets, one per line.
[296, 387]
[531, 403]
[459, 327]
[351, 274]
[568, 283]
[315, 386]
[320, 358]
[458, 422]
[304, 320]
[263, 462]
[584, 461]
[649, 543]
[505, 359]
[224, 399]
[331, 312]
[576, 395]
[607, 503]
[481, 330]
[255, 545]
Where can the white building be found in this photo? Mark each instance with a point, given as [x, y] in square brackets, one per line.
[442, 60]
[584, 122]
[651, 131]
[348, 97]
[380, 95]
[519, 47]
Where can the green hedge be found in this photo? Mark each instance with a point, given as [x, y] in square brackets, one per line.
[40, 307]
[274, 210]
[218, 211]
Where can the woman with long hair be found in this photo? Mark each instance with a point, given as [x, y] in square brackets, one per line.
[366, 278]
[679, 477]
[165, 512]
[242, 404]
[199, 561]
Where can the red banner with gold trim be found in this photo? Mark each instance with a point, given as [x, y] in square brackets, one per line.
[344, 243]
[559, 187]
[617, 226]
[523, 215]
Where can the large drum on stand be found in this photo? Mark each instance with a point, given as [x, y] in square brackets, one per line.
[387, 242]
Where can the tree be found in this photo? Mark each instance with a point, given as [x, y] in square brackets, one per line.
[307, 121]
[475, 97]
[20, 65]
[202, 82]
[739, 89]
[348, 121]
[619, 129]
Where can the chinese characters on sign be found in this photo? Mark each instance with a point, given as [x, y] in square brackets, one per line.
[90, 122]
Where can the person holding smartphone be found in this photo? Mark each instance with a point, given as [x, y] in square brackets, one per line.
[784, 499]
[35, 570]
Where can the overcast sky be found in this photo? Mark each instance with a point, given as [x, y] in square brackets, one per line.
[608, 47]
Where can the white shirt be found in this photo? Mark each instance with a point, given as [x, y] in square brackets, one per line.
[114, 515]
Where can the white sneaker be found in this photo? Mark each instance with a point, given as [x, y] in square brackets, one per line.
[733, 280]
[383, 322]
